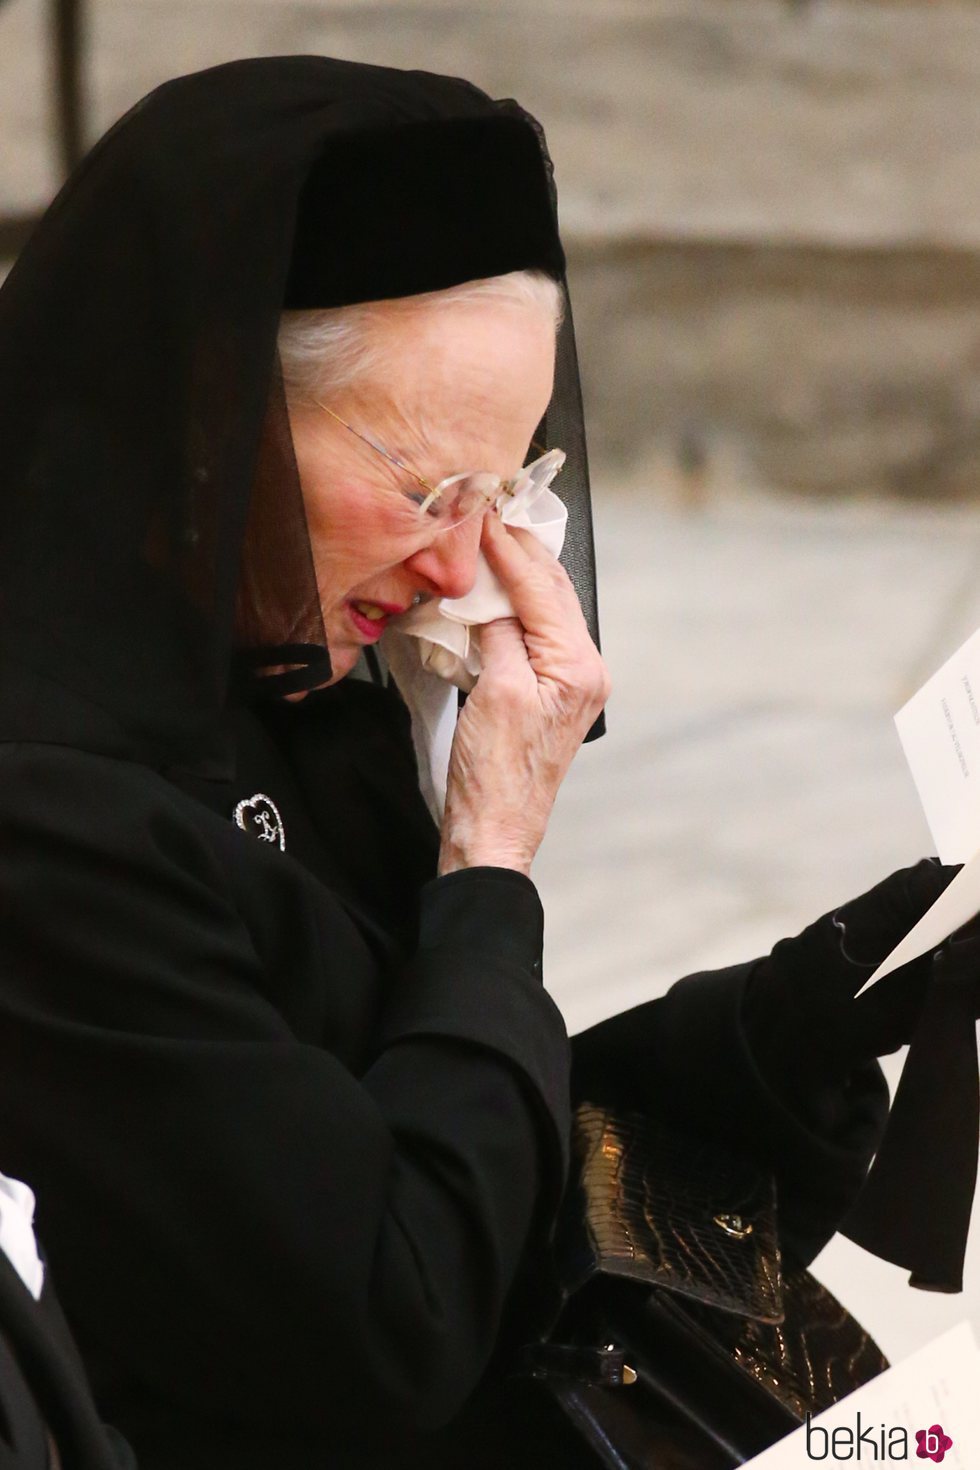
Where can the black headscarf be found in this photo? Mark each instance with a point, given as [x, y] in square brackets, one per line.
[143, 427]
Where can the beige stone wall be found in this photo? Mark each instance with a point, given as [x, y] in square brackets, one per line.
[772, 208]
[840, 370]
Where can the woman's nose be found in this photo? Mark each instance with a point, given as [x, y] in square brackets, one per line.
[449, 562]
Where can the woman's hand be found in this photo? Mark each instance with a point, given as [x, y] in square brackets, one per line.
[543, 684]
[802, 1021]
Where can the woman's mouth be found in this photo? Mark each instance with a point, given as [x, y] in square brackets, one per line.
[371, 618]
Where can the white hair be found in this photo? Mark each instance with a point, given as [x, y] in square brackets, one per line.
[326, 350]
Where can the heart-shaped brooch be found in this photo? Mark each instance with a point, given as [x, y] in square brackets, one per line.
[259, 816]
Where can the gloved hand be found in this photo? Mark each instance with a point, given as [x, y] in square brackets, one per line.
[803, 1025]
[808, 1035]
[915, 1206]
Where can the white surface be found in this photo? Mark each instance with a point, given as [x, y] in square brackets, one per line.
[752, 778]
[934, 1391]
[17, 1239]
[939, 728]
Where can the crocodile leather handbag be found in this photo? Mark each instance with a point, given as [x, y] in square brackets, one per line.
[682, 1343]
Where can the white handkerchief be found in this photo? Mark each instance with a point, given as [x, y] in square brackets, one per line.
[435, 649]
[17, 1233]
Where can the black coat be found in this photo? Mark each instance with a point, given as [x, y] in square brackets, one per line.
[45, 1397]
[297, 1120]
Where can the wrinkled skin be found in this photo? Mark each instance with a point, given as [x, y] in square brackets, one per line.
[456, 389]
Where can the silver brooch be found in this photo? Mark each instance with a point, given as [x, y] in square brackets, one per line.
[259, 816]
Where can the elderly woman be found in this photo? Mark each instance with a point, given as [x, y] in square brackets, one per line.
[276, 1055]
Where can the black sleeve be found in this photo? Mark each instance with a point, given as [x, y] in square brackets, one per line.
[251, 1229]
[43, 1386]
[685, 1056]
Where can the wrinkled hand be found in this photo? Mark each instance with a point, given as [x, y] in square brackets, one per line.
[543, 685]
[803, 1024]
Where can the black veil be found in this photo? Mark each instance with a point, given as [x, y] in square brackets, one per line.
[143, 428]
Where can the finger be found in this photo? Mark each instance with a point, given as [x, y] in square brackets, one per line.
[968, 932]
[538, 586]
[963, 947]
[869, 927]
[502, 643]
[532, 544]
[498, 533]
[924, 882]
[505, 667]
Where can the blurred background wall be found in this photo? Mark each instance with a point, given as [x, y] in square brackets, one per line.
[736, 179]
[772, 215]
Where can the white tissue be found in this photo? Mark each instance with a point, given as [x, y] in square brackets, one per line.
[435, 649]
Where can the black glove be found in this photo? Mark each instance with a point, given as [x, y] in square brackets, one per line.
[915, 1206]
[806, 1030]
[808, 1034]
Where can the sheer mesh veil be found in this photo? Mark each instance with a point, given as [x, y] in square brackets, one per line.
[142, 420]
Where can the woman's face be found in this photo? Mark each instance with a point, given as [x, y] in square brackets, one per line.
[461, 388]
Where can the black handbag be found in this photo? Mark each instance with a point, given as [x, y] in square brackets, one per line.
[682, 1343]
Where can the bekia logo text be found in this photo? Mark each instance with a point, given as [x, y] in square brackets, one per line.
[872, 1443]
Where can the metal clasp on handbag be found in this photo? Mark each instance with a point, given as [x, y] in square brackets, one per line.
[599, 1367]
[734, 1225]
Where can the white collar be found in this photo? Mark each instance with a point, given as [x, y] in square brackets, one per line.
[17, 1239]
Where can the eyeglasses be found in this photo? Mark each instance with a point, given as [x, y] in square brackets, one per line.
[458, 498]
